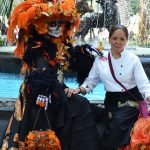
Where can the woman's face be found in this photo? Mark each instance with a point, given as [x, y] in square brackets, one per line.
[118, 41]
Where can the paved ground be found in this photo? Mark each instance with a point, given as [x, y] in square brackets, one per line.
[6, 109]
[4, 117]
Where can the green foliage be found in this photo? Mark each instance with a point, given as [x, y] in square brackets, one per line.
[134, 7]
[148, 7]
[134, 41]
[3, 39]
[1, 42]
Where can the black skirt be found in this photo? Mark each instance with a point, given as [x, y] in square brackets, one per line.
[71, 118]
[117, 127]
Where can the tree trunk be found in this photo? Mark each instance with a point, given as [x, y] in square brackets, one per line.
[123, 6]
[143, 22]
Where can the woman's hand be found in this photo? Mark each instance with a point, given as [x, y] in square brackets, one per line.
[70, 91]
[148, 100]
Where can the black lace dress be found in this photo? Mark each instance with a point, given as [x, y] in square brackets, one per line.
[72, 118]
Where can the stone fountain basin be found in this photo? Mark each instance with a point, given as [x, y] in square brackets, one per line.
[11, 64]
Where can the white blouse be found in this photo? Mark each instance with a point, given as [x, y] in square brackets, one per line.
[128, 70]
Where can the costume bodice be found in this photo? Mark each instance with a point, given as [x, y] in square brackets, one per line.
[46, 53]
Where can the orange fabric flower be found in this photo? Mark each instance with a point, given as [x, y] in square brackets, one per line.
[41, 104]
[140, 135]
[43, 140]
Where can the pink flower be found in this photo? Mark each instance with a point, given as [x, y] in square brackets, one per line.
[103, 58]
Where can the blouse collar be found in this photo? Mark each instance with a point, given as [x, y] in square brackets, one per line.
[122, 53]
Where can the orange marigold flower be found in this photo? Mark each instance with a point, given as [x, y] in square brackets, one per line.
[31, 135]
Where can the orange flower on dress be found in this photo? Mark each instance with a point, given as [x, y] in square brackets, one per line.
[140, 135]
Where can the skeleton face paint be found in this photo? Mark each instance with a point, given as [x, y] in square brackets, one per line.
[55, 29]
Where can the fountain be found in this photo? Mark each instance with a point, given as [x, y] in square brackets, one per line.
[105, 19]
[106, 16]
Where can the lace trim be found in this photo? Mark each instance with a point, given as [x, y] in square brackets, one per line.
[128, 103]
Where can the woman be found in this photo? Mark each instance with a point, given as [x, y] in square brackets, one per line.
[122, 108]
[45, 45]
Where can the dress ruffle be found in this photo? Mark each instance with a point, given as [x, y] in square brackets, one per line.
[140, 135]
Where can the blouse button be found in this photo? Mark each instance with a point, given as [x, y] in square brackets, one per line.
[121, 66]
[120, 73]
[122, 90]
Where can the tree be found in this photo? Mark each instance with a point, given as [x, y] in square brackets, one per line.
[123, 6]
[134, 7]
[143, 21]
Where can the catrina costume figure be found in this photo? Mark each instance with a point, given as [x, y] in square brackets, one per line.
[43, 31]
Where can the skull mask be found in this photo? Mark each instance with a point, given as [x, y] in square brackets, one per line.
[55, 29]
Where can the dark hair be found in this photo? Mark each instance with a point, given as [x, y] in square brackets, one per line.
[114, 28]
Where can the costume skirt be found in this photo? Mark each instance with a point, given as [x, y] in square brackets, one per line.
[122, 112]
[72, 120]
